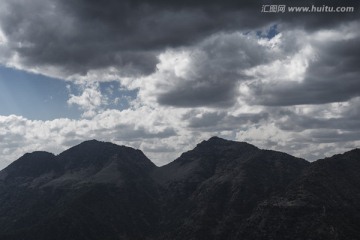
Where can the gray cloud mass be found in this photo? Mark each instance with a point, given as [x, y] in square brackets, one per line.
[333, 77]
[287, 81]
[78, 36]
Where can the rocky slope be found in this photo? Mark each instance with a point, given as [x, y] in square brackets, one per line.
[323, 203]
[95, 190]
[219, 190]
[213, 189]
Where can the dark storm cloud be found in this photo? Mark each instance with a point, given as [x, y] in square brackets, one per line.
[334, 136]
[76, 36]
[334, 76]
[318, 20]
[215, 71]
[342, 127]
[130, 133]
[159, 149]
[296, 122]
[47, 34]
[222, 121]
[185, 95]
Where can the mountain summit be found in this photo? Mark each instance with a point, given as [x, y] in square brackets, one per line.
[219, 190]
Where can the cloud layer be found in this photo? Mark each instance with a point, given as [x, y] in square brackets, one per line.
[281, 81]
[66, 38]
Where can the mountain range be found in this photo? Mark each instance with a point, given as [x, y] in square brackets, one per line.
[220, 190]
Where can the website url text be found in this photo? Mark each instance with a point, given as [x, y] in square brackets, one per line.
[312, 9]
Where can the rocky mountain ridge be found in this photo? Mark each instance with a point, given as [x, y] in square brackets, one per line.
[219, 190]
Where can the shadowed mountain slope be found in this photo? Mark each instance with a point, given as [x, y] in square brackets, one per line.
[214, 188]
[219, 190]
[94, 190]
[324, 203]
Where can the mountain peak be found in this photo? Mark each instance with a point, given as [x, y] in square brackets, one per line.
[31, 165]
[205, 158]
[91, 146]
[34, 156]
[220, 143]
[93, 142]
[96, 154]
[216, 139]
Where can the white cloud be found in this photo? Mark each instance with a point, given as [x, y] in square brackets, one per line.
[90, 101]
[162, 133]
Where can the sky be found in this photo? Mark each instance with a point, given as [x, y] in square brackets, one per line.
[162, 76]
